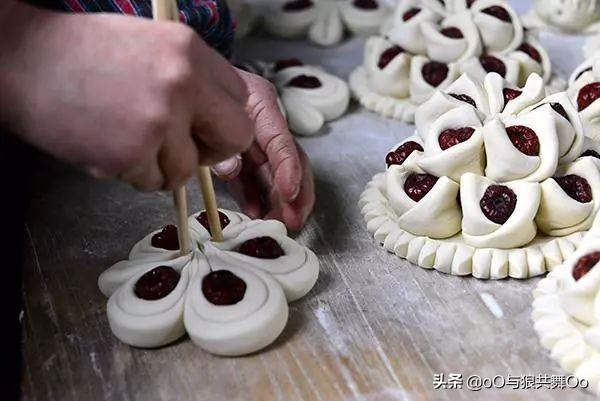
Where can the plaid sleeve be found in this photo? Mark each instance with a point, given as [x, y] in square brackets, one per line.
[211, 19]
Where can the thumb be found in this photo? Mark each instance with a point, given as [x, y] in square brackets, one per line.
[228, 169]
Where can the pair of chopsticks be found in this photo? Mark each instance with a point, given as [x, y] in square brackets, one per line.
[166, 10]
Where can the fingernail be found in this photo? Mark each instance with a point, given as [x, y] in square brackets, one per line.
[227, 167]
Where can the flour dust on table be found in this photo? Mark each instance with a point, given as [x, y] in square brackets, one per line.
[498, 181]
[230, 297]
[427, 45]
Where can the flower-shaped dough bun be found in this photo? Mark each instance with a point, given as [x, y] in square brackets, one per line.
[498, 216]
[427, 44]
[310, 97]
[523, 147]
[454, 145]
[230, 297]
[426, 205]
[571, 199]
[584, 90]
[325, 21]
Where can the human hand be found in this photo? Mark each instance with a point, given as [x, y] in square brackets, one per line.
[120, 96]
[273, 178]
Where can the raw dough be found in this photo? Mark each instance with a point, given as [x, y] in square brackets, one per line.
[325, 21]
[453, 255]
[571, 16]
[481, 232]
[566, 314]
[466, 138]
[395, 85]
[308, 109]
[587, 73]
[240, 328]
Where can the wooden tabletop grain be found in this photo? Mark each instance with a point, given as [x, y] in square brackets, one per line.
[373, 328]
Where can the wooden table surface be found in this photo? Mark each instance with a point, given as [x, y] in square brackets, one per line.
[373, 328]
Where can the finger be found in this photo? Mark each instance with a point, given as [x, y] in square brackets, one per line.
[273, 136]
[226, 77]
[228, 169]
[251, 187]
[178, 158]
[221, 128]
[220, 72]
[246, 193]
[145, 176]
[295, 214]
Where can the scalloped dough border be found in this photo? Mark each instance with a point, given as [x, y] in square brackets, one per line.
[453, 255]
[560, 334]
[403, 109]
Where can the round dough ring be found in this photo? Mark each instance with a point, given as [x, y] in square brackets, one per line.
[453, 255]
[560, 333]
[404, 109]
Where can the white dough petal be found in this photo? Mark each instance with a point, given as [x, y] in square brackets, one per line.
[570, 131]
[391, 80]
[464, 157]
[436, 215]
[443, 101]
[297, 270]
[201, 234]
[506, 163]
[559, 214]
[481, 232]
[420, 89]
[445, 49]
[150, 323]
[245, 327]
[498, 36]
